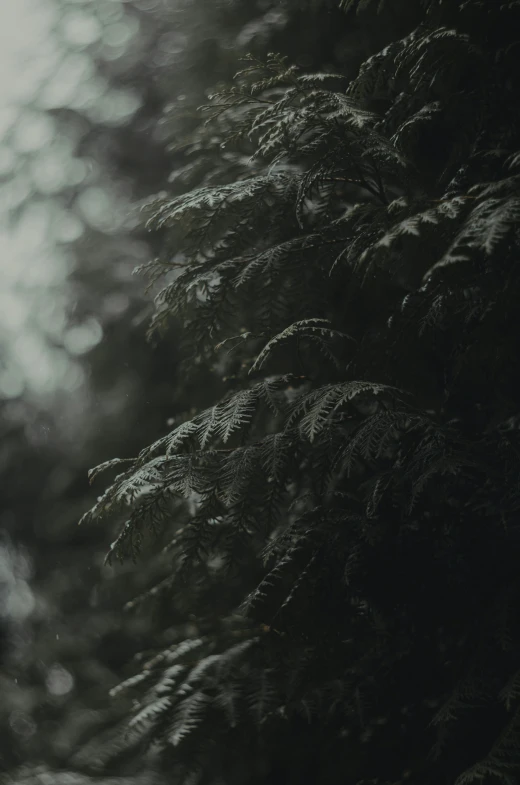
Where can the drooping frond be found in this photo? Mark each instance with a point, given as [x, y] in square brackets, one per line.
[315, 330]
[315, 410]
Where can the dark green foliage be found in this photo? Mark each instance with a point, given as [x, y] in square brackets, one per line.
[343, 523]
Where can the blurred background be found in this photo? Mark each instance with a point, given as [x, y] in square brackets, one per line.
[95, 99]
[80, 90]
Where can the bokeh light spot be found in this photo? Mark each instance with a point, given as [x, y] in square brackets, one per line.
[75, 68]
[59, 681]
[83, 337]
[80, 28]
[33, 131]
[121, 33]
[99, 210]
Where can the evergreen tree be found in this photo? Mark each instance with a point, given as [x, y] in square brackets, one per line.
[339, 531]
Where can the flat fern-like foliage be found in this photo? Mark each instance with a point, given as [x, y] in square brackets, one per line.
[342, 525]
